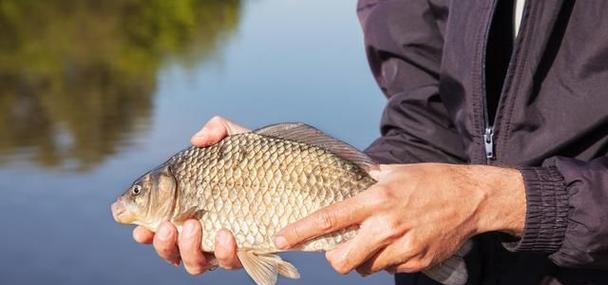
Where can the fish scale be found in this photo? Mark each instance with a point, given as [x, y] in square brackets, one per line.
[278, 182]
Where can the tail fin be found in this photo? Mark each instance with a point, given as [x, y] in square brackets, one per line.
[452, 271]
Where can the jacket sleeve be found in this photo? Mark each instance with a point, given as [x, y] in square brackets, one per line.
[567, 212]
[403, 41]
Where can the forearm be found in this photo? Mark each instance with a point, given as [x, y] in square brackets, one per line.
[557, 209]
[504, 205]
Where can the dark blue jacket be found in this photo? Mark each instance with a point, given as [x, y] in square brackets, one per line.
[461, 90]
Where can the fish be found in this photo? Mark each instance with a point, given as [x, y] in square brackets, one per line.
[254, 184]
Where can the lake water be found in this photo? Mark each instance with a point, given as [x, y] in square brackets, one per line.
[94, 93]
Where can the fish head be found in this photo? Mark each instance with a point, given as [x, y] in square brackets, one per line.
[150, 200]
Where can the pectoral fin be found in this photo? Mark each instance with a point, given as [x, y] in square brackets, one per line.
[265, 267]
[192, 213]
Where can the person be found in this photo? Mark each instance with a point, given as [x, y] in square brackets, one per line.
[495, 130]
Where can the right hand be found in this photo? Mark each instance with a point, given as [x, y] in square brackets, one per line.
[174, 247]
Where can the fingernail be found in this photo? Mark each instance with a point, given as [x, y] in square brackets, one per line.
[164, 233]
[337, 255]
[281, 242]
[201, 133]
[330, 254]
[189, 229]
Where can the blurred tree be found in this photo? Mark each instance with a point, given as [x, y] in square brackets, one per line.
[77, 76]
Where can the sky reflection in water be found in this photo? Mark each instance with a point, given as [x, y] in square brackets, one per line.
[93, 94]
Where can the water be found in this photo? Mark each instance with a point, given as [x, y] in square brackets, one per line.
[93, 93]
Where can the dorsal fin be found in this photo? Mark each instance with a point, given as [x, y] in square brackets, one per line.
[304, 133]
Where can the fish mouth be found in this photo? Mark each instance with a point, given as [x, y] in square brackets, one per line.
[120, 213]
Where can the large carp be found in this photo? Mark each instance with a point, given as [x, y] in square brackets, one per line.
[254, 184]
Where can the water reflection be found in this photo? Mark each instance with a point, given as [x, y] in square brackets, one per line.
[77, 77]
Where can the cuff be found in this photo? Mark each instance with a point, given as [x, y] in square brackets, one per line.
[546, 212]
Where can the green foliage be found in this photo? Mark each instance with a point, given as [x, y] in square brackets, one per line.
[77, 77]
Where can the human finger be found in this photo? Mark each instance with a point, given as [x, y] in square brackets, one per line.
[225, 250]
[349, 255]
[142, 235]
[165, 243]
[190, 248]
[215, 130]
[326, 220]
[385, 259]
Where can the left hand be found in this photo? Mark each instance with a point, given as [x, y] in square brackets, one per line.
[174, 247]
[416, 216]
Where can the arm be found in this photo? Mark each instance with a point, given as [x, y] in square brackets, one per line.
[403, 41]
[419, 214]
[567, 216]
[566, 199]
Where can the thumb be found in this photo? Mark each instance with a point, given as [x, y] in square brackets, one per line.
[215, 130]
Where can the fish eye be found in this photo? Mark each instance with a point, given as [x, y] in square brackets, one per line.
[136, 189]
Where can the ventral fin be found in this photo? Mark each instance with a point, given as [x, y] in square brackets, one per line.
[304, 133]
[191, 213]
[264, 268]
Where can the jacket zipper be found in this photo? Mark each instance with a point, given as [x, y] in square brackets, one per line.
[488, 141]
[488, 132]
[488, 135]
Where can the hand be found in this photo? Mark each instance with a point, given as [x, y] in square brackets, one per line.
[416, 216]
[174, 247]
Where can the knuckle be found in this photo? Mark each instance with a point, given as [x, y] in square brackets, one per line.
[164, 250]
[393, 230]
[390, 229]
[326, 221]
[382, 194]
[293, 235]
[375, 269]
[426, 263]
[411, 246]
[416, 265]
[339, 265]
[403, 268]
[216, 119]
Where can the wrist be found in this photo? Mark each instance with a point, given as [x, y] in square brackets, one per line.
[504, 204]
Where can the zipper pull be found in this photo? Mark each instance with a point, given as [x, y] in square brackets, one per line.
[488, 139]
